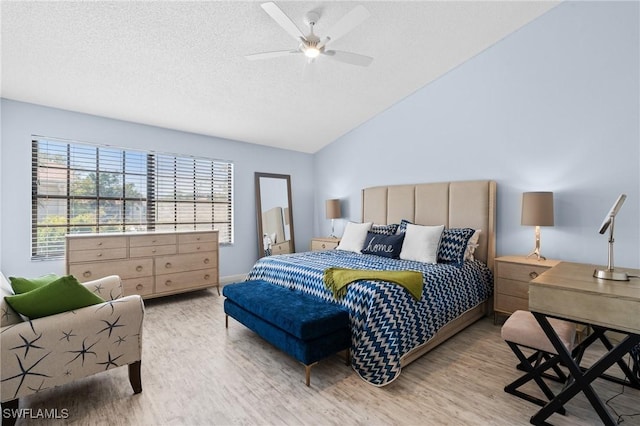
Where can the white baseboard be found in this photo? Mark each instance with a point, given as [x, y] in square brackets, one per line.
[232, 279]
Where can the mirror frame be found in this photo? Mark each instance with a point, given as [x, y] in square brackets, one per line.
[259, 175]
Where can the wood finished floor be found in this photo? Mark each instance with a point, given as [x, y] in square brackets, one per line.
[195, 372]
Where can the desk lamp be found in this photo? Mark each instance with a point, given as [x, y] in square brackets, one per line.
[610, 273]
[333, 212]
[537, 210]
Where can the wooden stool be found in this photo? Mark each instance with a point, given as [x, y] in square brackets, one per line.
[522, 329]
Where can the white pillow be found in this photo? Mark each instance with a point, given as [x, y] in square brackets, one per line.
[421, 243]
[472, 244]
[354, 236]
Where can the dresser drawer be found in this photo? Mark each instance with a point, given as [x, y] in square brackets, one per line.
[125, 269]
[200, 246]
[198, 237]
[184, 280]
[186, 262]
[102, 254]
[93, 243]
[152, 240]
[512, 288]
[151, 251]
[142, 286]
[519, 272]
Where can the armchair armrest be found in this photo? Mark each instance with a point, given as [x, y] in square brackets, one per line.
[109, 288]
[58, 349]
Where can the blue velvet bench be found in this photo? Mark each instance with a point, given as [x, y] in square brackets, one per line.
[305, 327]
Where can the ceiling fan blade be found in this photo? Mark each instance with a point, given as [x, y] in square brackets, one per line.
[349, 58]
[282, 19]
[269, 55]
[348, 22]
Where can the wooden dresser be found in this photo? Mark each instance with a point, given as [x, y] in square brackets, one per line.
[511, 282]
[150, 264]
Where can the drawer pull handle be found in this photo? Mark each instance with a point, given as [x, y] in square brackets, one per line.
[197, 238]
[139, 287]
[153, 241]
[167, 265]
[323, 245]
[206, 260]
[198, 248]
[153, 251]
[100, 243]
[86, 274]
[206, 277]
[167, 282]
[139, 268]
[533, 274]
[99, 255]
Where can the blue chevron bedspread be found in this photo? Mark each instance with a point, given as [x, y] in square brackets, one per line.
[386, 322]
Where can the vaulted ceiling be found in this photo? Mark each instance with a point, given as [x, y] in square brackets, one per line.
[181, 65]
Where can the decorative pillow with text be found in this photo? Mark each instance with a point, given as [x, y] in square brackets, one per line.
[383, 245]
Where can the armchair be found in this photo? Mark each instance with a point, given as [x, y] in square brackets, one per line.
[51, 351]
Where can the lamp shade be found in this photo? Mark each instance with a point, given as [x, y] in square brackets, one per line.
[537, 208]
[333, 209]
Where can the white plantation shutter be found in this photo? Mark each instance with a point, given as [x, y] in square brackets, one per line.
[80, 188]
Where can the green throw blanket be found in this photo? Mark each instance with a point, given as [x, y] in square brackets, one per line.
[336, 279]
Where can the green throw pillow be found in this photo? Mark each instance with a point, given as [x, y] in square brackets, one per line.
[61, 295]
[22, 285]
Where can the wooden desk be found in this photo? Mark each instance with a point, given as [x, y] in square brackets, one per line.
[569, 291]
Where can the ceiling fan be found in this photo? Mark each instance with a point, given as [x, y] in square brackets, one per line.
[311, 45]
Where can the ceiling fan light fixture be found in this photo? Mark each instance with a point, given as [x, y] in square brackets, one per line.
[311, 52]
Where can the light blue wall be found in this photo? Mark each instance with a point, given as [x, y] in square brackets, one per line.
[552, 107]
[21, 120]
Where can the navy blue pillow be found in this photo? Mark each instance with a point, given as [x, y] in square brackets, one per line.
[453, 244]
[402, 228]
[385, 229]
[383, 245]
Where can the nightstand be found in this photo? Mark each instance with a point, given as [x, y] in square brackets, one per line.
[511, 282]
[319, 244]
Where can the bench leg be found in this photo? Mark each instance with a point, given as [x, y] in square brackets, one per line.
[226, 321]
[347, 357]
[307, 373]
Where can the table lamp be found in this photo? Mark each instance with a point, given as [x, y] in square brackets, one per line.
[333, 212]
[537, 210]
[610, 273]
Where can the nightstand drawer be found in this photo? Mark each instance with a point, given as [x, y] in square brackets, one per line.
[519, 272]
[506, 303]
[281, 248]
[512, 288]
[512, 275]
[319, 244]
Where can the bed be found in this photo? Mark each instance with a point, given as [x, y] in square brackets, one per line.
[389, 328]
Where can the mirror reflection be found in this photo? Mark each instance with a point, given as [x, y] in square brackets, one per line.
[274, 215]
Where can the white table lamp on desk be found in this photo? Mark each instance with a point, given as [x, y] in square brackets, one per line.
[610, 273]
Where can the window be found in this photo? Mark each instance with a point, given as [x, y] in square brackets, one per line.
[79, 188]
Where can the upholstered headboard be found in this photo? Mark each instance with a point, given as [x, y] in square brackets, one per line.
[466, 204]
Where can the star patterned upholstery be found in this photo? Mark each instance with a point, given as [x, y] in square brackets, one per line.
[51, 351]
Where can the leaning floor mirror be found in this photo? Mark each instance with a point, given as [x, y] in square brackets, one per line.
[274, 214]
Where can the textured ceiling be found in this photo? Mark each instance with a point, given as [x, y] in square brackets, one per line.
[180, 65]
